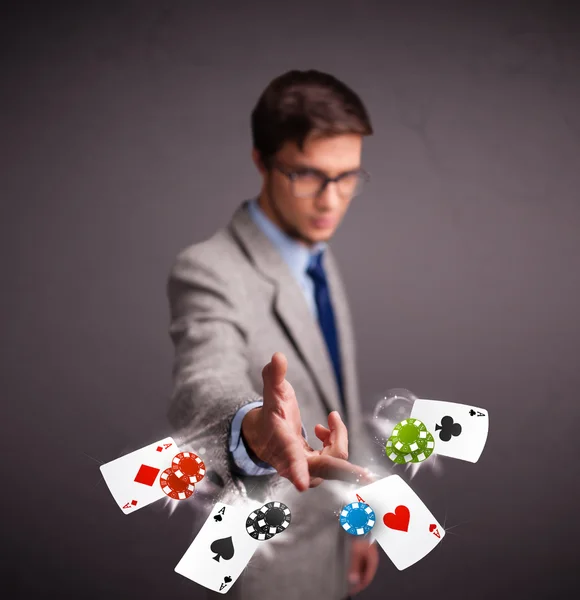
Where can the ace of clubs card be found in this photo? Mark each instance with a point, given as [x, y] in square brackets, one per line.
[221, 550]
[405, 528]
[460, 431]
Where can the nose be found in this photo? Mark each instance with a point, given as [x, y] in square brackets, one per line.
[329, 199]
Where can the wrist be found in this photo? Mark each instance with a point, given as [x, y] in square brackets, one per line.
[251, 433]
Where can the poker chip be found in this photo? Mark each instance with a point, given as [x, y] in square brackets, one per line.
[357, 518]
[188, 464]
[395, 456]
[269, 520]
[178, 488]
[410, 442]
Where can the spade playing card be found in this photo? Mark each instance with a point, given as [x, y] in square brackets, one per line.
[405, 528]
[221, 550]
[459, 431]
[133, 479]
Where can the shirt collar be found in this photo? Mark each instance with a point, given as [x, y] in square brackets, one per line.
[295, 254]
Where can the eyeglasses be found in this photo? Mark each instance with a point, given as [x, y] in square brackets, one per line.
[310, 183]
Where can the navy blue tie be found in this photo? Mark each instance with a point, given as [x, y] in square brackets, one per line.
[326, 315]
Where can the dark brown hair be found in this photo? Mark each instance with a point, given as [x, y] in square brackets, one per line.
[299, 103]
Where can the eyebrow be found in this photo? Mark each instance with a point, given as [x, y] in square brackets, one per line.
[316, 170]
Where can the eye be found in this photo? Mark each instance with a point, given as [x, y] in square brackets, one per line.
[306, 173]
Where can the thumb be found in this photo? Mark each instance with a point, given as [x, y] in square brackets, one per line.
[297, 471]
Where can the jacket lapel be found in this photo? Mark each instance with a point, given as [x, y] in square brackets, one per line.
[290, 305]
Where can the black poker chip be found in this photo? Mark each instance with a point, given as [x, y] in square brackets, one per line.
[269, 520]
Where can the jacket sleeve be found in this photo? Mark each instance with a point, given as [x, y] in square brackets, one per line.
[210, 370]
[238, 450]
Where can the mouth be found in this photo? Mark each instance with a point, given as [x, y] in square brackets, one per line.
[323, 222]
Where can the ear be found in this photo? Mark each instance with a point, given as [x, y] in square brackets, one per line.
[258, 161]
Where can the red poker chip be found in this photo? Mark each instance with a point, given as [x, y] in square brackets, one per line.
[188, 464]
[178, 488]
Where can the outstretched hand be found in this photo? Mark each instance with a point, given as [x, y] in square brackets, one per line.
[274, 434]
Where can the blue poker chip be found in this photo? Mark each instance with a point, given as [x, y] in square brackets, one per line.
[357, 518]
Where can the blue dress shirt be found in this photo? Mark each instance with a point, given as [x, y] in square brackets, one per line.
[297, 257]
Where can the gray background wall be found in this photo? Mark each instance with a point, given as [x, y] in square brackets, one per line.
[125, 137]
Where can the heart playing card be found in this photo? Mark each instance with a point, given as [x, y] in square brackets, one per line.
[405, 528]
[221, 550]
[460, 431]
[133, 479]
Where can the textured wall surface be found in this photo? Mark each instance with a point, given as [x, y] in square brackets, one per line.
[124, 136]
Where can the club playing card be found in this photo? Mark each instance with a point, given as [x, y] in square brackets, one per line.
[221, 550]
[460, 431]
[405, 528]
[133, 479]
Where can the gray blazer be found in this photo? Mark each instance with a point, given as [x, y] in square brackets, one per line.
[234, 302]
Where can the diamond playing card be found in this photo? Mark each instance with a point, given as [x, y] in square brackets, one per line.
[460, 431]
[133, 479]
[405, 528]
[221, 550]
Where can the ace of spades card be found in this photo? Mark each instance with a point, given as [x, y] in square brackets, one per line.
[405, 528]
[133, 479]
[220, 551]
[460, 431]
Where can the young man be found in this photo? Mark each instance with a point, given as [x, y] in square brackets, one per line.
[265, 354]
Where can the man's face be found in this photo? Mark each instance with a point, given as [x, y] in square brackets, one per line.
[314, 218]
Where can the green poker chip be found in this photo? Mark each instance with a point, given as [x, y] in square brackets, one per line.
[410, 441]
[394, 455]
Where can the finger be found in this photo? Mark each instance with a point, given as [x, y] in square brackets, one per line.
[338, 435]
[278, 368]
[298, 475]
[370, 566]
[356, 567]
[315, 482]
[274, 372]
[330, 467]
[322, 433]
[295, 467]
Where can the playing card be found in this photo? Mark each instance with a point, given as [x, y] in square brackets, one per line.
[221, 550]
[460, 431]
[405, 529]
[133, 479]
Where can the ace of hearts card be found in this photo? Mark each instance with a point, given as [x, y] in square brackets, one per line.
[405, 528]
